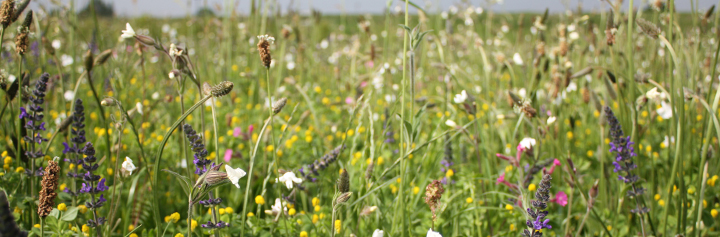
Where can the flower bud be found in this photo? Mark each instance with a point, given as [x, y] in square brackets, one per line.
[88, 60]
[103, 57]
[215, 177]
[146, 40]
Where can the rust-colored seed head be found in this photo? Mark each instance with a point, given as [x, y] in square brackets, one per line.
[433, 193]
[7, 13]
[47, 193]
[264, 49]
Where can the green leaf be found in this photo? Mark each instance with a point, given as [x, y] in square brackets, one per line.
[55, 213]
[70, 214]
[184, 181]
[407, 29]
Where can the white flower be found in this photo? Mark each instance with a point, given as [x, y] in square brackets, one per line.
[574, 36]
[451, 123]
[460, 98]
[527, 143]
[234, 174]
[276, 208]
[174, 52]
[128, 32]
[127, 167]
[655, 95]
[668, 140]
[139, 107]
[56, 44]
[289, 178]
[432, 233]
[665, 111]
[571, 87]
[69, 95]
[551, 120]
[517, 59]
[267, 38]
[378, 233]
[155, 96]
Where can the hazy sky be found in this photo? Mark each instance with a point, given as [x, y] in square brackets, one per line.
[170, 8]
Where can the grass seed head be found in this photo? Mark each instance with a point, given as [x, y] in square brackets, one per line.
[264, 49]
[650, 29]
[7, 13]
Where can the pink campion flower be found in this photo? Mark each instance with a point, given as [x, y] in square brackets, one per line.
[349, 100]
[560, 198]
[501, 180]
[556, 162]
[237, 131]
[251, 128]
[228, 155]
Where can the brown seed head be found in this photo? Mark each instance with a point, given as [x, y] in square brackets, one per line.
[47, 193]
[21, 42]
[433, 193]
[344, 197]
[7, 13]
[221, 89]
[264, 49]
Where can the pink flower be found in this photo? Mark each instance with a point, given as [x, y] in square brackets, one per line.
[560, 198]
[501, 180]
[369, 64]
[228, 155]
[251, 128]
[556, 162]
[237, 132]
[349, 100]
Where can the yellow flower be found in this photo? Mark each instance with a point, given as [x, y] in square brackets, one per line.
[508, 168]
[512, 227]
[20, 169]
[532, 187]
[469, 200]
[570, 135]
[714, 213]
[509, 207]
[174, 218]
[221, 211]
[193, 224]
[315, 201]
[179, 235]
[416, 190]
[291, 212]
[338, 226]
[131, 227]
[317, 208]
[62, 186]
[133, 235]
[449, 173]
[250, 214]
[82, 209]
[657, 196]
[393, 188]
[229, 210]
[303, 234]
[62, 207]
[661, 203]
[315, 218]
[110, 171]
[37, 226]
[259, 200]
[85, 229]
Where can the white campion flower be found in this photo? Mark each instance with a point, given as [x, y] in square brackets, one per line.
[653, 94]
[432, 233]
[69, 95]
[460, 98]
[517, 59]
[127, 167]
[139, 107]
[234, 175]
[665, 111]
[128, 32]
[551, 120]
[378, 233]
[173, 51]
[289, 179]
[527, 143]
[451, 123]
[276, 208]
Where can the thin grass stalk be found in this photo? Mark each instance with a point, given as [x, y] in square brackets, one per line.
[249, 176]
[114, 202]
[158, 157]
[102, 113]
[403, 135]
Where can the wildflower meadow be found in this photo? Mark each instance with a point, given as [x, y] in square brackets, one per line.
[419, 120]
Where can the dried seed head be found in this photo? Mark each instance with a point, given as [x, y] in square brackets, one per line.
[343, 198]
[433, 193]
[47, 193]
[21, 42]
[28, 19]
[264, 49]
[286, 30]
[279, 105]
[220, 90]
[19, 8]
[7, 13]
[102, 57]
[89, 60]
[344, 182]
[650, 29]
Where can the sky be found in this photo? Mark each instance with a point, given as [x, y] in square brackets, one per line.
[179, 8]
